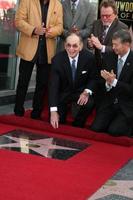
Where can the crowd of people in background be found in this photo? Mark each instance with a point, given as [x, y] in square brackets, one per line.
[79, 59]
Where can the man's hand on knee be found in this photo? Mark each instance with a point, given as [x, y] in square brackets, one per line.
[83, 99]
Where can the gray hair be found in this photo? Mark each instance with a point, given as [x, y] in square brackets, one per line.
[123, 35]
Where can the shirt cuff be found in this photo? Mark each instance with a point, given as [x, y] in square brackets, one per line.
[108, 87]
[53, 109]
[88, 91]
[103, 49]
[114, 83]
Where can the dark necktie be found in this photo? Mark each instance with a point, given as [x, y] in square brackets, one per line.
[73, 8]
[104, 32]
[73, 67]
[119, 67]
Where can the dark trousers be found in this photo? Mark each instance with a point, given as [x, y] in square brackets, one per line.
[42, 76]
[83, 111]
[111, 120]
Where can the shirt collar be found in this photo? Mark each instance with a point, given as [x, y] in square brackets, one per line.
[124, 57]
[75, 58]
[76, 3]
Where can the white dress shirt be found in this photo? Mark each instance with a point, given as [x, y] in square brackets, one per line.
[76, 60]
[76, 3]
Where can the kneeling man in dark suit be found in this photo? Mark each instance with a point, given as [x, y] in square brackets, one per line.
[115, 114]
[73, 79]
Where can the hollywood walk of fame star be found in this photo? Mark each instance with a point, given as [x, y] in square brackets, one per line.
[41, 146]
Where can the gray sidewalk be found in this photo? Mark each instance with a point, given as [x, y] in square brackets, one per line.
[8, 109]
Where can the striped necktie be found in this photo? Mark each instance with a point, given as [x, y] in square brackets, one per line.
[73, 8]
[104, 33]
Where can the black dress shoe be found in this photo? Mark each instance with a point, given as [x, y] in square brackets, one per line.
[19, 113]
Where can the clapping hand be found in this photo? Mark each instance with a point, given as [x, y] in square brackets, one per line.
[94, 41]
[108, 76]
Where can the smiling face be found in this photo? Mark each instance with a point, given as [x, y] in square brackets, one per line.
[73, 45]
[107, 15]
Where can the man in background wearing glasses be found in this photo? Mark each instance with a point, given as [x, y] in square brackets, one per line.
[102, 31]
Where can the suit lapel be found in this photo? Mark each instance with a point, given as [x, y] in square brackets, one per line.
[79, 67]
[67, 67]
[99, 29]
[114, 64]
[68, 8]
[50, 11]
[109, 33]
[127, 65]
[38, 7]
[67, 13]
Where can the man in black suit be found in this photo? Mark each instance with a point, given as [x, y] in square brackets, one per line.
[73, 79]
[102, 30]
[115, 114]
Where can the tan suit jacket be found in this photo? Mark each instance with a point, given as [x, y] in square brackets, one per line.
[28, 16]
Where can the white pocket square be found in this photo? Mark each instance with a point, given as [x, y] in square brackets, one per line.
[83, 72]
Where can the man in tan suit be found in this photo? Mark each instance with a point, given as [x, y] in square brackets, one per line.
[39, 23]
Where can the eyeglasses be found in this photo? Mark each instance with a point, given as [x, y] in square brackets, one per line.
[107, 16]
[74, 46]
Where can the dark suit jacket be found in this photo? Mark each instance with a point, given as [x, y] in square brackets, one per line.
[124, 88]
[97, 31]
[61, 84]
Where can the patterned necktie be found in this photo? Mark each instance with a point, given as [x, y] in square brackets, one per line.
[73, 67]
[119, 67]
[73, 8]
[104, 33]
